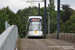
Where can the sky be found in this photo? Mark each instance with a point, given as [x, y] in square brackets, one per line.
[15, 5]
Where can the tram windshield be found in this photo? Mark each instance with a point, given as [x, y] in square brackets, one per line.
[35, 26]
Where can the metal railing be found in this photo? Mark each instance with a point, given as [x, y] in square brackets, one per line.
[9, 38]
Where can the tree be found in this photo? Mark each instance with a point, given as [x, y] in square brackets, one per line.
[53, 22]
[69, 25]
[72, 20]
[51, 5]
[53, 16]
[66, 13]
[7, 15]
[3, 18]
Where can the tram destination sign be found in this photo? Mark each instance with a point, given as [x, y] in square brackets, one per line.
[35, 19]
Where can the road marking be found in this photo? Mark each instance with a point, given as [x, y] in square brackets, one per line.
[52, 48]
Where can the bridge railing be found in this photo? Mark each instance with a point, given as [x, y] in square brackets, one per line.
[9, 38]
[63, 36]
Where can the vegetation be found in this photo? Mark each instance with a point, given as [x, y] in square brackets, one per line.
[7, 15]
[67, 18]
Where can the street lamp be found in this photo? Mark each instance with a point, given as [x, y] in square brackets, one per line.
[48, 22]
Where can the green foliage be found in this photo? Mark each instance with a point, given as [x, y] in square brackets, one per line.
[53, 16]
[7, 15]
[51, 5]
[67, 19]
[72, 22]
[3, 18]
[53, 22]
[69, 25]
[66, 13]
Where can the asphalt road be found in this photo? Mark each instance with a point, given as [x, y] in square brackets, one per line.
[46, 44]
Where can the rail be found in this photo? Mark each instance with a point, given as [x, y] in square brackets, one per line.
[9, 38]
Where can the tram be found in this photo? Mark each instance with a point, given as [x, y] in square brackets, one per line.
[34, 26]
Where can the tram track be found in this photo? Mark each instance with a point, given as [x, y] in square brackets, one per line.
[41, 45]
[54, 43]
[44, 44]
[57, 44]
[51, 44]
[26, 44]
[64, 43]
[35, 45]
[47, 44]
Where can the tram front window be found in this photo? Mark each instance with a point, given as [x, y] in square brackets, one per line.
[35, 26]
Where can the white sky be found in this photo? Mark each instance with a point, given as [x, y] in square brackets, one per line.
[15, 5]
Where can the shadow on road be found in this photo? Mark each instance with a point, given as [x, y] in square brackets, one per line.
[35, 38]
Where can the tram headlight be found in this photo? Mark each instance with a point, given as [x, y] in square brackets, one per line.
[40, 31]
[30, 31]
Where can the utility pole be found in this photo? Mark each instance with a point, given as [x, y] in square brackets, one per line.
[45, 19]
[58, 18]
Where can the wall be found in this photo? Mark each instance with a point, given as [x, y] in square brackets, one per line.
[62, 36]
[9, 38]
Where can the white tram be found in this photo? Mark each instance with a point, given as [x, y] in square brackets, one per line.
[35, 26]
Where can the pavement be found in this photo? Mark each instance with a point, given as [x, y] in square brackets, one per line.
[45, 44]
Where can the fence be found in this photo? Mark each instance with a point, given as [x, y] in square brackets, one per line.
[63, 36]
[9, 38]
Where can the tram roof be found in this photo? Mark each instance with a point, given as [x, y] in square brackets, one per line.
[35, 17]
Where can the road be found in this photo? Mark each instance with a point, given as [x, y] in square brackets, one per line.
[45, 44]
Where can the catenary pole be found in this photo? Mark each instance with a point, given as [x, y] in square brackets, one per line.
[58, 18]
[45, 19]
[39, 9]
